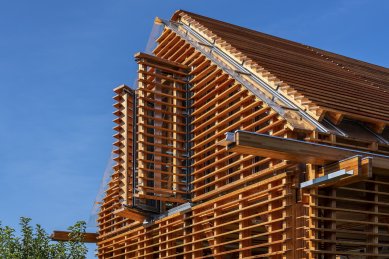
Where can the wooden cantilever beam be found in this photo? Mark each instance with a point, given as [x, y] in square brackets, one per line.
[64, 236]
[252, 143]
[160, 61]
[130, 213]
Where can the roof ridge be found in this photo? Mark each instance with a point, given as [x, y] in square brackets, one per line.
[253, 65]
[315, 80]
[178, 13]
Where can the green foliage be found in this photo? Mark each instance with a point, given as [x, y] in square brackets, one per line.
[76, 246]
[36, 243]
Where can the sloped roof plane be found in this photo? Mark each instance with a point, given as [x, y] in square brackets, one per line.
[320, 81]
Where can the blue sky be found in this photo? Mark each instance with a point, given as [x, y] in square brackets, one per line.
[60, 60]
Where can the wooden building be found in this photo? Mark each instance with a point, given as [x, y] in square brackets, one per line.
[239, 144]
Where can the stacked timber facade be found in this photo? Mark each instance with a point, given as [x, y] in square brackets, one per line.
[223, 151]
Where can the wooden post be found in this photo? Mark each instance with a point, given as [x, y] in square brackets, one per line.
[187, 235]
[162, 238]
[312, 212]
[373, 218]
[216, 232]
[196, 246]
[243, 234]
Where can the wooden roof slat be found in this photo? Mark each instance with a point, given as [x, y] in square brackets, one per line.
[348, 86]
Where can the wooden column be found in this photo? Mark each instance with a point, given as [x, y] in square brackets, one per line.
[243, 234]
[176, 152]
[331, 224]
[312, 212]
[217, 231]
[170, 245]
[269, 219]
[162, 238]
[373, 239]
[187, 235]
[141, 244]
[196, 246]
[289, 225]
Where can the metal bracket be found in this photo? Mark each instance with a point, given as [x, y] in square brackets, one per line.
[326, 178]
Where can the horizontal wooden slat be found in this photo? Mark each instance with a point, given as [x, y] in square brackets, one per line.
[64, 236]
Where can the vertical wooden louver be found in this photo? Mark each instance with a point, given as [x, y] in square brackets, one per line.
[125, 129]
[119, 190]
[162, 136]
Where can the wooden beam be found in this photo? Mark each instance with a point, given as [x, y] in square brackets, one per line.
[160, 198]
[65, 236]
[379, 127]
[358, 168]
[295, 150]
[130, 214]
[326, 179]
[335, 118]
[161, 61]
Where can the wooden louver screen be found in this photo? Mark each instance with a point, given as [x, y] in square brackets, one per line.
[162, 133]
[120, 189]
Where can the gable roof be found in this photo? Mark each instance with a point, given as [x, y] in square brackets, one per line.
[322, 80]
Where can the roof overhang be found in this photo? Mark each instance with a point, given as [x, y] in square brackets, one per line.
[252, 143]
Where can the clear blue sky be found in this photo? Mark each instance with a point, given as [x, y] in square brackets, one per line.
[60, 60]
